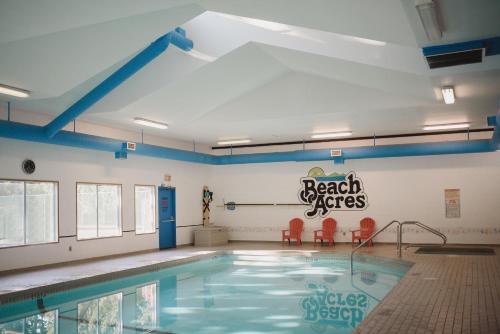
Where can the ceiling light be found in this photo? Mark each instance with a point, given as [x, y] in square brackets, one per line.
[13, 91]
[428, 16]
[331, 135]
[448, 95]
[233, 142]
[153, 124]
[446, 126]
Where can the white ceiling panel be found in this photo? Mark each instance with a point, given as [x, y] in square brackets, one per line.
[52, 64]
[270, 70]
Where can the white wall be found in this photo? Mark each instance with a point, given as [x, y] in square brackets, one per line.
[410, 188]
[69, 165]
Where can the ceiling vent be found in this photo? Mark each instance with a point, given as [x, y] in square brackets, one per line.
[456, 58]
[461, 53]
[454, 54]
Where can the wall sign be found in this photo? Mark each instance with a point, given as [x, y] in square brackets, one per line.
[333, 192]
[452, 203]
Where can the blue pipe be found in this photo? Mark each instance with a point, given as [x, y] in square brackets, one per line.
[366, 152]
[176, 37]
[37, 134]
[495, 139]
[74, 139]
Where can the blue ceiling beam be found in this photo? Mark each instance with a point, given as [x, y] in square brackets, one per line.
[176, 37]
[73, 139]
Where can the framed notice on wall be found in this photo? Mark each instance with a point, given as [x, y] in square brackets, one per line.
[452, 203]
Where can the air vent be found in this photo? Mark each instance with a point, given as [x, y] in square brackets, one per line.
[336, 153]
[131, 146]
[456, 58]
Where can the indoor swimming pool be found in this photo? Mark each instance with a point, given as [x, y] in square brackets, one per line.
[245, 292]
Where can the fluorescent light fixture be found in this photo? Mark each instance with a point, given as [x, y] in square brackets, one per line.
[331, 135]
[233, 142]
[148, 122]
[428, 16]
[446, 126]
[448, 95]
[13, 91]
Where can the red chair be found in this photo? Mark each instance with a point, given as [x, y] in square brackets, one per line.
[295, 231]
[366, 229]
[326, 233]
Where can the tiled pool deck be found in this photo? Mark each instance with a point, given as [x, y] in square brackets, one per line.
[440, 293]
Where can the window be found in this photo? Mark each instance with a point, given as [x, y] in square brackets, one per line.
[28, 212]
[101, 315]
[145, 209]
[99, 210]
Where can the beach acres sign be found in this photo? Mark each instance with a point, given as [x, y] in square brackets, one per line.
[333, 192]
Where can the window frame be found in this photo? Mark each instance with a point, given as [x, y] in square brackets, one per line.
[121, 209]
[56, 212]
[156, 211]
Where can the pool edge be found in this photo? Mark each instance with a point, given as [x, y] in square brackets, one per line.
[43, 290]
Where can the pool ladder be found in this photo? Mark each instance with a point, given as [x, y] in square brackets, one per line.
[399, 241]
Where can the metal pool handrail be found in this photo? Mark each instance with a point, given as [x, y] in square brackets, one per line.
[374, 235]
[399, 240]
[425, 227]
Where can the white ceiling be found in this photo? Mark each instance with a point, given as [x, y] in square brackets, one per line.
[269, 70]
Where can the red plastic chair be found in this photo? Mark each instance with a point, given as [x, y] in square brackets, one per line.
[295, 231]
[366, 229]
[326, 233]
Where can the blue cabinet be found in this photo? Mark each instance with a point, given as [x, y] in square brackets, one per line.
[166, 217]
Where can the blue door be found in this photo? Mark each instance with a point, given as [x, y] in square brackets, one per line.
[166, 217]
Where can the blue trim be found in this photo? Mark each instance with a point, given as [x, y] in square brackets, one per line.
[492, 46]
[121, 155]
[386, 151]
[74, 139]
[37, 134]
[450, 48]
[492, 121]
[176, 37]
[339, 160]
[495, 139]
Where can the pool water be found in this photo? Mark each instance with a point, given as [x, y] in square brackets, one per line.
[248, 292]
